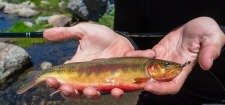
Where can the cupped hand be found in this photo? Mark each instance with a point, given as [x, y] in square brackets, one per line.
[96, 41]
[199, 40]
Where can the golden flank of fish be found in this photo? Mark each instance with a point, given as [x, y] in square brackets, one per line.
[126, 73]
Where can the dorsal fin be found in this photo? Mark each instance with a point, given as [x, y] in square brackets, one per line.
[98, 60]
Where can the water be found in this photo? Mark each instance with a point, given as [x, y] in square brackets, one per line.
[56, 53]
[6, 21]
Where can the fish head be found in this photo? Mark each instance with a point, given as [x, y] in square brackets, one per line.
[163, 71]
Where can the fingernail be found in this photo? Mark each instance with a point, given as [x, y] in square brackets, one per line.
[76, 92]
[120, 96]
[211, 63]
[65, 93]
[211, 59]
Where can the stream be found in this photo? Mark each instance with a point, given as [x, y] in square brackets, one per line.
[56, 53]
[6, 21]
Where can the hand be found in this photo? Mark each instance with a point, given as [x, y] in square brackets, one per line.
[96, 41]
[199, 40]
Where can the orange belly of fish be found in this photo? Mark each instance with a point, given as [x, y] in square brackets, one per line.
[108, 88]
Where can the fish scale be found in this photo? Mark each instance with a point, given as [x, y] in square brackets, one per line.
[126, 73]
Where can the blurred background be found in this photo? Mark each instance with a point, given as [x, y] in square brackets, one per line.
[21, 55]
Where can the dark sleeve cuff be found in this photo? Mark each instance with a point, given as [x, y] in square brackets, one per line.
[223, 29]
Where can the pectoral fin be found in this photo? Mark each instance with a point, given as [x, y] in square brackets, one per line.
[140, 80]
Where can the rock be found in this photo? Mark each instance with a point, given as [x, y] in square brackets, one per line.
[32, 5]
[46, 65]
[62, 4]
[2, 4]
[89, 9]
[42, 19]
[26, 3]
[27, 12]
[109, 8]
[79, 8]
[12, 59]
[11, 8]
[5, 39]
[59, 20]
[29, 24]
[25, 9]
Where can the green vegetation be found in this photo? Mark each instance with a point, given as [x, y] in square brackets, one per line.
[27, 42]
[21, 27]
[107, 19]
[51, 7]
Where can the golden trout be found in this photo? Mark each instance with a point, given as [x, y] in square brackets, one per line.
[126, 73]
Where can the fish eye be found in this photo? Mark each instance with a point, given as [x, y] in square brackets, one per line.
[166, 64]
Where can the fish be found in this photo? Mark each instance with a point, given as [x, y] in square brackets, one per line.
[126, 73]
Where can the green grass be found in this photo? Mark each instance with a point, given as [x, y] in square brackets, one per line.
[27, 42]
[51, 7]
[107, 20]
[21, 27]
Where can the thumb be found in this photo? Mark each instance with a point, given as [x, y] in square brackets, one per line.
[206, 56]
[63, 33]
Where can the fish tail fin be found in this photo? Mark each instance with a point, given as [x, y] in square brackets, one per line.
[31, 81]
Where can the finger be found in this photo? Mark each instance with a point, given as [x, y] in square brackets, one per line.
[162, 88]
[117, 93]
[63, 33]
[91, 93]
[206, 56]
[68, 92]
[143, 53]
[52, 83]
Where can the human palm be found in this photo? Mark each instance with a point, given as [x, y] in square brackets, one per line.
[96, 41]
[199, 40]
